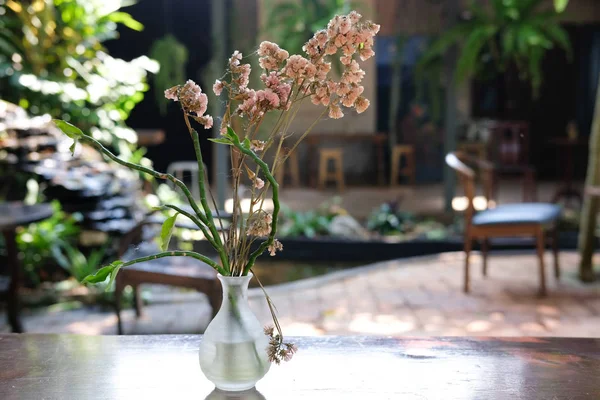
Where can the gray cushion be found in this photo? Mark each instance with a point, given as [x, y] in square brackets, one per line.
[526, 213]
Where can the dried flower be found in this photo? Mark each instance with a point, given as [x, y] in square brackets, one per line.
[275, 247]
[260, 225]
[257, 145]
[335, 111]
[258, 183]
[192, 99]
[171, 93]
[362, 104]
[277, 350]
[218, 87]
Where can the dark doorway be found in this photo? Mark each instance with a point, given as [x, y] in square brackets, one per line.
[189, 22]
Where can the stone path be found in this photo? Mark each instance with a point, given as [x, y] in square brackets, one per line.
[419, 296]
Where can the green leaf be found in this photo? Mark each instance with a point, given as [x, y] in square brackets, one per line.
[221, 141]
[68, 129]
[72, 147]
[113, 274]
[560, 5]
[246, 143]
[167, 231]
[125, 19]
[232, 135]
[103, 273]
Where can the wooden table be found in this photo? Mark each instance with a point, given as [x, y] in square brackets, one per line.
[366, 368]
[13, 215]
[313, 141]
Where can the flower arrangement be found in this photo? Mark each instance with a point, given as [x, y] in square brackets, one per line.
[288, 81]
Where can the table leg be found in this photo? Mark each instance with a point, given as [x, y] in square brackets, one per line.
[310, 157]
[15, 281]
[380, 163]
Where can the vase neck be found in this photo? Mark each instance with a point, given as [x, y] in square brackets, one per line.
[235, 286]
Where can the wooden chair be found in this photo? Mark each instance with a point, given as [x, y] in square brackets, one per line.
[508, 150]
[409, 169]
[337, 175]
[526, 219]
[172, 271]
[289, 169]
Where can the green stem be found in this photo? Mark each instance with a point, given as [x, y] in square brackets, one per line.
[191, 254]
[158, 175]
[211, 223]
[196, 221]
[275, 187]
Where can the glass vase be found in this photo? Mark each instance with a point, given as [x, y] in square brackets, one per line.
[233, 351]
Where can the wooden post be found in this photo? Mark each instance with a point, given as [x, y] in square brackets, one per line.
[587, 224]
[452, 11]
[221, 46]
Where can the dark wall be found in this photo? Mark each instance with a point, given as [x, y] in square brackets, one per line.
[567, 94]
[189, 22]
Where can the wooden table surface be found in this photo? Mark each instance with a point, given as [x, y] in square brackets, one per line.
[166, 367]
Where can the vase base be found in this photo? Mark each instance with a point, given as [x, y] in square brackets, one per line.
[234, 387]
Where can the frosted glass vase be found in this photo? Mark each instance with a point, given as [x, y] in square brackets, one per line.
[233, 351]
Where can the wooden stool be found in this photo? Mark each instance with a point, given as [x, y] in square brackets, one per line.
[409, 169]
[335, 155]
[289, 168]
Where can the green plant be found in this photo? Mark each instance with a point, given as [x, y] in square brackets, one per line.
[44, 242]
[510, 33]
[78, 264]
[389, 220]
[172, 56]
[53, 61]
[293, 22]
[310, 223]
[288, 81]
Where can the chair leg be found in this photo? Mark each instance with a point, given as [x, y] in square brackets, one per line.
[13, 290]
[484, 254]
[395, 169]
[540, 252]
[322, 173]
[413, 168]
[555, 250]
[467, 249]
[137, 301]
[118, 292]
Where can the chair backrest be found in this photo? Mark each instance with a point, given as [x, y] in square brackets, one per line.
[466, 177]
[509, 143]
[178, 170]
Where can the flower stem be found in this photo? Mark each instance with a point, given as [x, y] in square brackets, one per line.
[275, 187]
[191, 254]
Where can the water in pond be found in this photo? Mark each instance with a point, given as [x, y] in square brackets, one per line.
[271, 272]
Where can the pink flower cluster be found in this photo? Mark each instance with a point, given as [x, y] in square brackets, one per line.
[271, 56]
[192, 101]
[349, 35]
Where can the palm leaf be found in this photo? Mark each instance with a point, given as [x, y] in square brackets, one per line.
[559, 35]
[471, 52]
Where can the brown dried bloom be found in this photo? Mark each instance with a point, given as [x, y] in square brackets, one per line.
[275, 247]
[260, 225]
[257, 145]
[277, 350]
[192, 99]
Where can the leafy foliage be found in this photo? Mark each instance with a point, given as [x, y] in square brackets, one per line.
[310, 223]
[52, 60]
[45, 242]
[512, 33]
[389, 220]
[172, 57]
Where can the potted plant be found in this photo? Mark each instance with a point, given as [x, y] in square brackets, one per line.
[235, 352]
